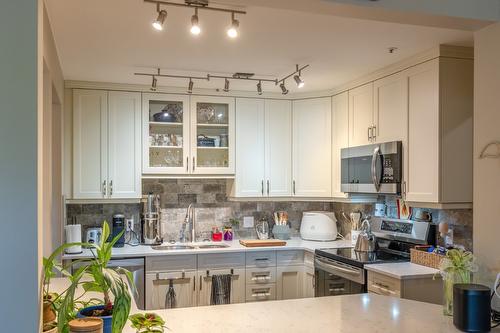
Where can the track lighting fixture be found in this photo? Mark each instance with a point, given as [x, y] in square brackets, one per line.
[284, 91]
[226, 85]
[153, 84]
[259, 88]
[160, 20]
[232, 32]
[190, 86]
[299, 81]
[195, 25]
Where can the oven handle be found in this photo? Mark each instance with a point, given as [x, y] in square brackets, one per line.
[375, 179]
[330, 265]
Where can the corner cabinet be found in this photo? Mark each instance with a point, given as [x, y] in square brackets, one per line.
[106, 144]
[312, 148]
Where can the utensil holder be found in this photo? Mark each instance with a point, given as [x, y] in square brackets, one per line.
[281, 232]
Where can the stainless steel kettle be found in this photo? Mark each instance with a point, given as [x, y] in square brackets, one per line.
[367, 242]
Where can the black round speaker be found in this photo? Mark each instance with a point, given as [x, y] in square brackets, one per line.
[471, 307]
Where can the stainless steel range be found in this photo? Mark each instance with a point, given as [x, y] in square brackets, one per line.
[341, 271]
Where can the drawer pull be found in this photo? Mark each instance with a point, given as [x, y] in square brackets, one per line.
[261, 294]
[383, 290]
[261, 278]
[261, 259]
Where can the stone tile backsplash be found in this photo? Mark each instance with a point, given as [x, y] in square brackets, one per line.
[214, 209]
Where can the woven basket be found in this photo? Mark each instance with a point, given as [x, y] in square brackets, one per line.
[419, 256]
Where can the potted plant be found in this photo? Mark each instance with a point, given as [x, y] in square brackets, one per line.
[147, 323]
[456, 267]
[99, 278]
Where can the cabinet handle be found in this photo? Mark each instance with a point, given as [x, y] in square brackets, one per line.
[267, 187]
[369, 133]
[201, 284]
[294, 187]
[111, 188]
[404, 190]
[194, 284]
[104, 188]
[194, 162]
[261, 259]
[262, 187]
[374, 133]
[187, 164]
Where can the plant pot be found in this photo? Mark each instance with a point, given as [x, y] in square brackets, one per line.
[107, 320]
[47, 329]
[54, 330]
[48, 312]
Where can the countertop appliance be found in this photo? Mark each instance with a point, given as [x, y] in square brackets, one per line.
[151, 221]
[341, 271]
[376, 168]
[318, 226]
[133, 265]
[93, 235]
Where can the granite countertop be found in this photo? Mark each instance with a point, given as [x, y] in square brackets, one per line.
[350, 313]
[403, 270]
[234, 246]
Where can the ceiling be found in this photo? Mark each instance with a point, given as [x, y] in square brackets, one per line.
[108, 41]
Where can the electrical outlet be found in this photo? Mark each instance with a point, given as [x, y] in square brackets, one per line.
[248, 222]
[129, 224]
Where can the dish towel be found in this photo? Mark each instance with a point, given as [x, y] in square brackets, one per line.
[170, 297]
[221, 289]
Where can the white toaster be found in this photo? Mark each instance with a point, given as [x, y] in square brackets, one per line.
[318, 226]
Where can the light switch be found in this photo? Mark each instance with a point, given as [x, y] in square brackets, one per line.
[248, 222]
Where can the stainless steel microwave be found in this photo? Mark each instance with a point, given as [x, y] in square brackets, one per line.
[376, 168]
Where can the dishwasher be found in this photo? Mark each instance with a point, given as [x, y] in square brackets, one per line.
[134, 266]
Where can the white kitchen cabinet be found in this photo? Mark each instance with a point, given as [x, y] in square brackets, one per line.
[166, 148]
[106, 144]
[263, 148]
[440, 114]
[205, 285]
[290, 282]
[340, 139]
[309, 281]
[361, 115]
[157, 286]
[312, 152]
[212, 118]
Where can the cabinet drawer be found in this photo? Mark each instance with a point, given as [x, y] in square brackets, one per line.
[257, 293]
[285, 258]
[383, 285]
[261, 275]
[261, 259]
[171, 263]
[221, 260]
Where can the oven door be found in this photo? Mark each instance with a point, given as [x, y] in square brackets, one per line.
[335, 278]
[372, 168]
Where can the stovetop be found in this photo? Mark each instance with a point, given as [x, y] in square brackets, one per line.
[359, 259]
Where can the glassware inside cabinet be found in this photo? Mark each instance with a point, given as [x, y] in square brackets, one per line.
[212, 135]
[166, 134]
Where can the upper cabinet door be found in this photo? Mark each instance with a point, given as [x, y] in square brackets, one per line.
[391, 109]
[340, 138]
[165, 134]
[124, 145]
[360, 115]
[423, 160]
[250, 117]
[212, 135]
[312, 152]
[278, 148]
[90, 156]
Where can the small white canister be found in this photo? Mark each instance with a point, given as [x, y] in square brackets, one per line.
[73, 235]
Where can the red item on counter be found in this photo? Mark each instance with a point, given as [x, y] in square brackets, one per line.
[217, 236]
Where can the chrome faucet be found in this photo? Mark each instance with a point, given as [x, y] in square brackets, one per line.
[188, 220]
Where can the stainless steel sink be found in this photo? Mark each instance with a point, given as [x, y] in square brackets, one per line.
[212, 246]
[172, 247]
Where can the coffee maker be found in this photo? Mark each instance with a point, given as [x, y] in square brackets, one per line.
[151, 221]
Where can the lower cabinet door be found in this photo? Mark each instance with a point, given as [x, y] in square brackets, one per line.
[158, 285]
[309, 282]
[205, 285]
[289, 282]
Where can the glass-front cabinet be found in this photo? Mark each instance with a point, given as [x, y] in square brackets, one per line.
[165, 134]
[188, 134]
[212, 135]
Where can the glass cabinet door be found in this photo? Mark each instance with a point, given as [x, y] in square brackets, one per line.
[212, 135]
[165, 134]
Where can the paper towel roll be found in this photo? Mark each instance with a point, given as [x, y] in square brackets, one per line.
[73, 235]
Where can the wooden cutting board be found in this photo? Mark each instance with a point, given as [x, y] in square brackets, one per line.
[262, 242]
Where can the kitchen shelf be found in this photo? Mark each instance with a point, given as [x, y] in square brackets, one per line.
[159, 123]
[166, 147]
[213, 125]
[213, 148]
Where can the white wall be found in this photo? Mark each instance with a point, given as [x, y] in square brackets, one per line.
[486, 129]
[20, 102]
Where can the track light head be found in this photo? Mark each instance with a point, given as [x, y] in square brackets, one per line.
[160, 20]
[284, 91]
[226, 85]
[259, 88]
[190, 86]
[232, 32]
[153, 84]
[195, 25]
[299, 81]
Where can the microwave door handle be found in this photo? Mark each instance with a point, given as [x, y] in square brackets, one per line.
[375, 178]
